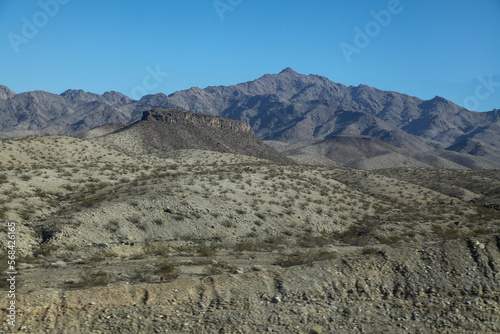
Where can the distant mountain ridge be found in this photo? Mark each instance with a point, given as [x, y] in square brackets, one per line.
[288, 107]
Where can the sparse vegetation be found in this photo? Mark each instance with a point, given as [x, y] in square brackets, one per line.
[93, 278]
[147, 219]
[305, 257]
[167, 271]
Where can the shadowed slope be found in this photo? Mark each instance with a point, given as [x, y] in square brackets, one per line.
[165, 130]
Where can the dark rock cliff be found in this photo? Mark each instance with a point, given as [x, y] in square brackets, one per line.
[184, 117]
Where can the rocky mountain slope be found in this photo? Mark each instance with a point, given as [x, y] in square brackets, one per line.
[287, 107]
[162, 131]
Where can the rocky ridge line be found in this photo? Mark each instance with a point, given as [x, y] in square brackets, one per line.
[184, 117]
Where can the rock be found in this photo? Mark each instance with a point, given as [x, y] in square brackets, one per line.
[22, 266]
[317, 329]
[179, 116]
[58, 264]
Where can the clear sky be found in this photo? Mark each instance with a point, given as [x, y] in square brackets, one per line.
[423, 48]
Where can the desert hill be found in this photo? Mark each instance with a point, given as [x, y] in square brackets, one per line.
[162, 131]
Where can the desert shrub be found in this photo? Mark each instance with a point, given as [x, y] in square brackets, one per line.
[68, 187]
[369, 251]
[228, 223]
[481, 231]
[156, 248]
[25, 177]
[95, 278]
[97, 256]
[258, 223]
[391, 239]
[44, 249]
[253, 245]
[260, 215]
[110, 254]
[137, 221]
[310, 240]
[158, 222]
[3, 212]
[141, 276]
[290, 260]
[167, 271]
[300, 258]
[113, 225]
[26, 213]
[40, 193]
[357, 234]
[206, 250]
[213, 269]
[179, 217]
[446, 232]
[88, 202]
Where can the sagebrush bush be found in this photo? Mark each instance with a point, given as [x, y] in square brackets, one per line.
[167, 271]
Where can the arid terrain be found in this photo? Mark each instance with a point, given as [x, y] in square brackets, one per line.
[117, 238]
[308, 117]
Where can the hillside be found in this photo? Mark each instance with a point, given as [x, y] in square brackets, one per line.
[203, 241]
[372, 153]
[162, 131]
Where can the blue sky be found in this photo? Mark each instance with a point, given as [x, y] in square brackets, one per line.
[449, 48]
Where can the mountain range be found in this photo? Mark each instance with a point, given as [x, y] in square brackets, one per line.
[307, 117]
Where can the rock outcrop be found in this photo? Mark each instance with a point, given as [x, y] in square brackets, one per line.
[179, 116]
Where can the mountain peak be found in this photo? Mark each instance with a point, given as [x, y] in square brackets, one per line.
[5, 92]
[68, 92]
[438, 98]
[288, 70]
[80, 95]
[116, 97]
